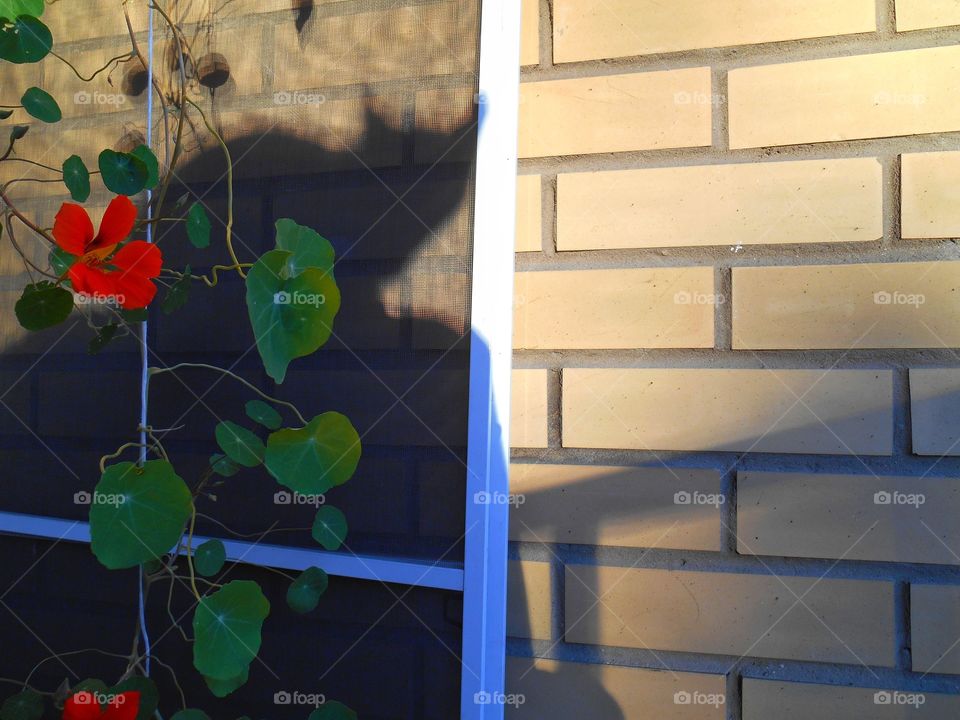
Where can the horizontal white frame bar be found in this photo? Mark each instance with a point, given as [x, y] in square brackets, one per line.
[418, 573]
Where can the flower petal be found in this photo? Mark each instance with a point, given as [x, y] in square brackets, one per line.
[133, 291]
[94, 282]
[81, 706]
[117, 223]
[72, 229]
[139, 257]
[124, 706]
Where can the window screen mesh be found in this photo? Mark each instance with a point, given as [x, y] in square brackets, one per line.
[356, 118]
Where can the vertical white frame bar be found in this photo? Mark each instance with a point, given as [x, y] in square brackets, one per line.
[488, 445]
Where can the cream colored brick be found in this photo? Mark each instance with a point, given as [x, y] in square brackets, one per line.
[624, 506]
[530, 32]
[416, 40]
[444, 125]
[616, 28]
[576, 691]
[529, 222]
[528, 409]
[100, 96]
[70, 21]
[730, 614]
[909, 92]
[903, 305]
[765, 699]
[528, 599]
[643, 308]
[935, 628]
[745, 204]
[848, 517]
[935, 411]
[613, 113]
[931, 194]
[791, 411]
[916, 14]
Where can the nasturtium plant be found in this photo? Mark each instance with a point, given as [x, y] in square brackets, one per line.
[24, 40]
[222, 465]
[261, 412]
[333, 710]
[304, 593]
[329, 527]
[11, 9]
[191, 714]
[209, 557]
[145, 154]
[227, 629]
[43, 305]
[316, 457]
[143, 514]
[77, 178]
[25, 705]
[239, 444]
[123, 173]
[292, 315]
[147, 696]
[222, 688]
[137, 513]
[198, 226]
[41, 105]
[307, 248]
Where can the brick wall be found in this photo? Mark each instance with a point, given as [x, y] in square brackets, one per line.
[737, 306]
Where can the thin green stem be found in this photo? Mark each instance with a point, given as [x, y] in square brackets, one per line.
[258, 391]
[226, 153]
[111, 61]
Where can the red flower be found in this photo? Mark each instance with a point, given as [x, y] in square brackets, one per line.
[123, 276]
[85, 705]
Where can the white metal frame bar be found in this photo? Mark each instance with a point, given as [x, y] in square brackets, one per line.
[491, 354]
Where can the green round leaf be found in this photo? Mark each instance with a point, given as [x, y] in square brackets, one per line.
[77, 178]
[307, 247]
[239, 444]
[329, 527]
[61, 261]
[209, 557]
[333, 710]
[222, 688]
[266, 415]
[25, 40]
[191, 714]
[291, 316]
[41, 105]
[123, 173]
[198, 226]
[104, 335]
[135, 316]
[304, 593]
[178, 294]
[25, 705]
[11, 9]
[150, 160]
[17, 132]
[226, 628]
[224, 466]
[4, 114]
[149, 697]
[314, 458]
[43, 305]
[137, 513]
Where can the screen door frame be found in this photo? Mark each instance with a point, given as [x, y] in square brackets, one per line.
[482, 577]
